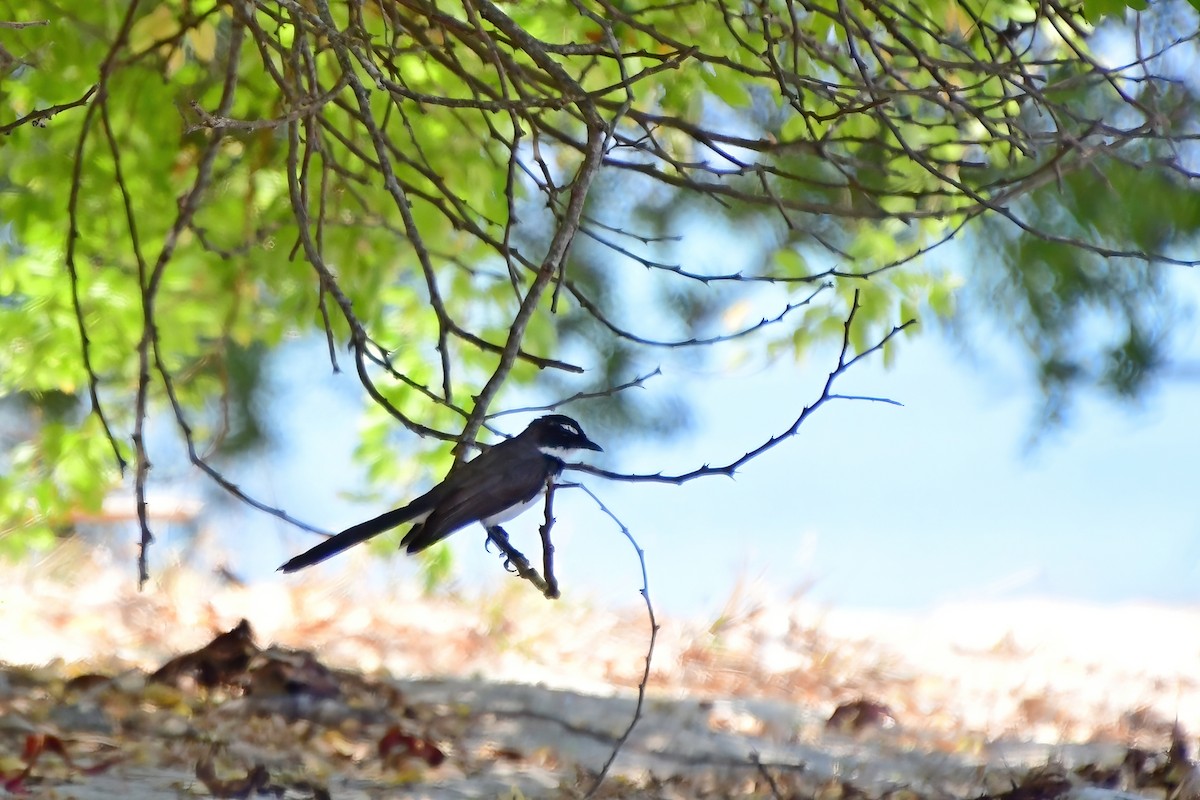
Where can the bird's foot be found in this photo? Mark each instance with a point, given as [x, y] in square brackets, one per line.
[510, 556]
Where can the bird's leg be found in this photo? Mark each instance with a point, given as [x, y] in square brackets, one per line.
[511, 554]
[515, 562]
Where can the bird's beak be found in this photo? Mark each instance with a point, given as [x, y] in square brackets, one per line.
[588, 444]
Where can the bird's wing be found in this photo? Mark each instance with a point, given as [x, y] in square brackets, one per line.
[484, 492]
[454, 492]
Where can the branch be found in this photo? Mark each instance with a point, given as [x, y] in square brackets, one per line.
[380, 144]
[16, 26]
[513, 558]
[645, 679]
[298, 112]
[637, 382]
[78, 162]
[37, 118]
[547, 545]
[149, 284]
[601, 318]
[198, 461]
[844, 362]
[555, 256]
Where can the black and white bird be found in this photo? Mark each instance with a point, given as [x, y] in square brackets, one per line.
[498, 485]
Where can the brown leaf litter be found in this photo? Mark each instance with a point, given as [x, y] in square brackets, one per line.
[774, 701]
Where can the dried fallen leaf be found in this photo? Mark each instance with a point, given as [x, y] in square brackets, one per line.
[859, 715]
[279, 671]
[254, 780]
[341, 745]
[87, 682]
[396, 744]
[1046, 783]
[221, 662]
[36, 744]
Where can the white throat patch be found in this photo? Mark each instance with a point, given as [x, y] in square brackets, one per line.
[558, 452]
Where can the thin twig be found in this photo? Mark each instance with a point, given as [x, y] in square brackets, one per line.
[36, 23]
[645, 679]
[77, 165]
[638, 382]
[148, 344]
[762, 770]
[844, 361]
[555, 255]
[547, 545]
[36, 118]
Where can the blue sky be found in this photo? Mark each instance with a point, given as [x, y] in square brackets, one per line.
[871, 505]
[942, 499]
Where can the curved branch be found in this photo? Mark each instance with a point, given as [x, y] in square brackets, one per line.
[844, 362]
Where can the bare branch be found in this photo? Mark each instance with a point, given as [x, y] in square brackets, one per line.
[547, 545]
[16, 26]
[150, 283]
[77, 165]
[765, 322]
[844, 362]
[637, 383]
[38, 118]
[550, 265]
[645, 679]
[517, 562]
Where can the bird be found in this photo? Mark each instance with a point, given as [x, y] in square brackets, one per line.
[494, 487]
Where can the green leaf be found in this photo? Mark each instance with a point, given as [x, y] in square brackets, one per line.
[735, 93]
[1096, 10]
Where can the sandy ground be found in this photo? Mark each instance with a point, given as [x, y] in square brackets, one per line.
[1013, 683]
[1049, 671]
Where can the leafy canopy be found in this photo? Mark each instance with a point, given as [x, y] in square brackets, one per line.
[482, 198]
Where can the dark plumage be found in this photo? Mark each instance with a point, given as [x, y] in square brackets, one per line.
[493, 488]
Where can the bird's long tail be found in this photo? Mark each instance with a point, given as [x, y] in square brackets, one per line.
[348, 538]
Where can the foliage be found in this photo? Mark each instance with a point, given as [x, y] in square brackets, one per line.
[186, 183]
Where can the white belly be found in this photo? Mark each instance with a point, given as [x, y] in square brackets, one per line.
[513, 512]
